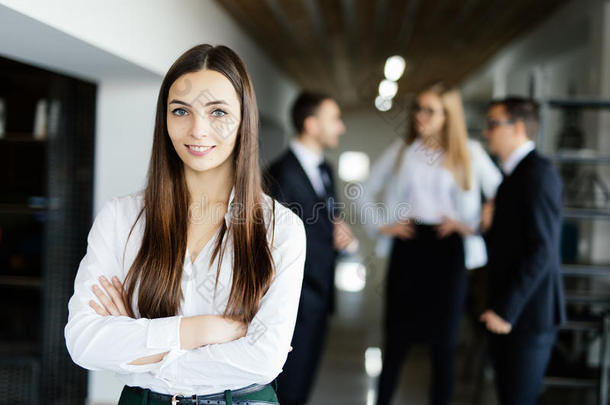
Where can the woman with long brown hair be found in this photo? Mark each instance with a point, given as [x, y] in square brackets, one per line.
[433, 178]
[189, 289]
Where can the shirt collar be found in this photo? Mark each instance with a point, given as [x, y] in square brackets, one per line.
[509, 165]
[305, 155]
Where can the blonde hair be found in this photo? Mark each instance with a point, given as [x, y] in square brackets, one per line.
[454, 136]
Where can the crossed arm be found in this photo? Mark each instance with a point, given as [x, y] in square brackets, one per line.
[195, 331]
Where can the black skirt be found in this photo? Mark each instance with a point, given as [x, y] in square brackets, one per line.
[426, 286]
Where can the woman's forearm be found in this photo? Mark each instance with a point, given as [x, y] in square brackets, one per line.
[155, 358]
[201, 330]
[465, 230]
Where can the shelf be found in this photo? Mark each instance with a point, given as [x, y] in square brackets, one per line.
[21, 281]
[585, 297]
[581, 159]
[566, 382]
[579, 103]
[582, 325]
[18, 349]
[585, 270]
[20, 209]
[582, 213]
[21, 138]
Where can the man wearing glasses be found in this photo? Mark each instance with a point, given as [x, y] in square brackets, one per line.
[526, 302]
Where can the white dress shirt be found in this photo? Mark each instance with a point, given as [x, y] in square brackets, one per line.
[424, 189]
[509, 165]
[111, 342]
[426, 186]
[310, 162]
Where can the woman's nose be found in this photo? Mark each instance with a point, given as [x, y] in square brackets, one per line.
[201, 127]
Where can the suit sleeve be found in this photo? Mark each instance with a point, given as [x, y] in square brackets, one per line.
[541, 229]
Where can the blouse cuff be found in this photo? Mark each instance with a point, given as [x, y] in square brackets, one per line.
[164, 333]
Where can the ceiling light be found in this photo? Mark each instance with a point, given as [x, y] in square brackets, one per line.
[373, 362]
[394, 67]
[388, 88]
[350, 276]
[383, 103]
[353, 166]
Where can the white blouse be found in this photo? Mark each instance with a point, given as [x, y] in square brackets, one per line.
[98, 342]
[424, 189]
[426, 186]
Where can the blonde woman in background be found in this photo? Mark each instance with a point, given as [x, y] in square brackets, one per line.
[428, 223]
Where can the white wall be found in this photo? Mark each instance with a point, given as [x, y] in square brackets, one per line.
[126, 47]
[124, 127]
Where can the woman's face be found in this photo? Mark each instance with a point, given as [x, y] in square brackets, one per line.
[203, 117]
[429, 115]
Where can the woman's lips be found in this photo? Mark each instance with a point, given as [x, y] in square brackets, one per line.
[199, 150]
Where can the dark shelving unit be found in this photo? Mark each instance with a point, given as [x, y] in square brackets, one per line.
[593, 324]
[45, 214]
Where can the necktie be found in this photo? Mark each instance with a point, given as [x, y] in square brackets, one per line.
[329, 196]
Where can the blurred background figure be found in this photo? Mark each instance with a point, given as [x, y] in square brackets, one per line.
[433, 178]
[526, 290]
[302, 180]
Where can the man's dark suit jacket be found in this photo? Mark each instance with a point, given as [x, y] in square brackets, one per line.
[288, 183]
[526, 287]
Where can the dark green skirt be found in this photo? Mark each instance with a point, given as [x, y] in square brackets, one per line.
[266, 395]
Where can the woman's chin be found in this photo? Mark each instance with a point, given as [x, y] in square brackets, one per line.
[199, 167]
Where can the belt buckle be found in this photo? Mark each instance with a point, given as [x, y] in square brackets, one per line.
[175, 400]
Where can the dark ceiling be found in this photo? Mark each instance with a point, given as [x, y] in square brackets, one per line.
[340, 46]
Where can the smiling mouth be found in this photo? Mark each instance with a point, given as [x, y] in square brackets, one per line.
[200, 148]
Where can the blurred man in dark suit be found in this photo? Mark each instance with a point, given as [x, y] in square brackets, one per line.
[303, 180]
[526, 292]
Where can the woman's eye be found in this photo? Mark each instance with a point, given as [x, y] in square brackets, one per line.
[218, 113]
[179, 112]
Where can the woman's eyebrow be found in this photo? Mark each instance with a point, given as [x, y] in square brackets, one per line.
[213, 102]
[216, 102]
[174, 101]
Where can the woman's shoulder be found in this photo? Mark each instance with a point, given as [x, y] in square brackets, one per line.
[476, 148]
[122, 209]
[286, 224]
[474, 144]
[477, 151]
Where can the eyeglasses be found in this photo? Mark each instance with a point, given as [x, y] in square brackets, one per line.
[493, 124]
[425, 110]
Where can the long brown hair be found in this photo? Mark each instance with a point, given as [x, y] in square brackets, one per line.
[454, 136]
[158, 265]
